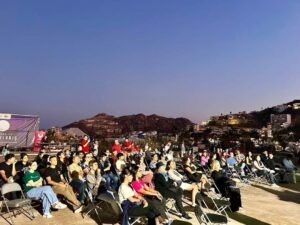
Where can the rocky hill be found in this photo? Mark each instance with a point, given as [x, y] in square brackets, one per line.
[103, 125]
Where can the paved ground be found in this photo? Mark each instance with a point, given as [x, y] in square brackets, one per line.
[261, 205]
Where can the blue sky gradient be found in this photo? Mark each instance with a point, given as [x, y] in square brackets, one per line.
[69, 60]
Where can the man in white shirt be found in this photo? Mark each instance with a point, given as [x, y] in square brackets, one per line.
[120, 164]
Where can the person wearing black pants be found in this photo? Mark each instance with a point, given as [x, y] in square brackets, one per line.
[166, 187]
[135, 205]
[151, 195]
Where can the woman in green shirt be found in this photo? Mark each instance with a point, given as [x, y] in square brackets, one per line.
[34, 188]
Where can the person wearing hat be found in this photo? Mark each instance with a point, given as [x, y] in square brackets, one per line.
[165, 186]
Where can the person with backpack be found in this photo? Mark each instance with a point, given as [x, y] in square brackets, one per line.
[226, 186]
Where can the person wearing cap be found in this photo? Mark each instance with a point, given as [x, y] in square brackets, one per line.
[165, 186]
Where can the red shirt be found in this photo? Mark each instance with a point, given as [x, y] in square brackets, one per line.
[128, 146]
[136, 148]
[85, 149]
[117, 148]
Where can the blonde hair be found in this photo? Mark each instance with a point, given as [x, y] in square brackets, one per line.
[215, 165]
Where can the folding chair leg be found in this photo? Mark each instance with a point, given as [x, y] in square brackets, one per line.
[98, 216]
[10, 215]
[30, 212]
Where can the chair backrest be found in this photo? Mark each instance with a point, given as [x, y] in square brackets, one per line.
[112, 206]
[12, 187]
[199, 214]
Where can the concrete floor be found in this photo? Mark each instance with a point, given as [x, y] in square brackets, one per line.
[261, 205]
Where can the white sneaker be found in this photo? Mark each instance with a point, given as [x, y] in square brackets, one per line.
[78, 210]
[274, 186]
[59, 205]
[47, 215]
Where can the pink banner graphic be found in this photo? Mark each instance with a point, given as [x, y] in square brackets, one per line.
[39, 135]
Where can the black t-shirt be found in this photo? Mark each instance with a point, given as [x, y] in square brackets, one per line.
[7, 169]
[20, 167]
[103, 165]
[53, 173]
[270, 164]
[62, 167]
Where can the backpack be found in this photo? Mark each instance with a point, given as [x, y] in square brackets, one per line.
[234, 195]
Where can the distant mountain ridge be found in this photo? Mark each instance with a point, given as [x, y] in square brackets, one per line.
[105, 125]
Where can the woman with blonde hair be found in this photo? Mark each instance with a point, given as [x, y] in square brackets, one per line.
[226, 186]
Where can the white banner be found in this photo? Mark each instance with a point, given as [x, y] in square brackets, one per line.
[5, 116]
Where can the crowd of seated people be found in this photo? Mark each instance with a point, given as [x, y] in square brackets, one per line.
[144, 180]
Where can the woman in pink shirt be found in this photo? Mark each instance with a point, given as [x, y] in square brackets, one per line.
[152, 196]
[205, 159]
[147, 174]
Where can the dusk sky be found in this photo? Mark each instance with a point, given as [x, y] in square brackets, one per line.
[69, 60]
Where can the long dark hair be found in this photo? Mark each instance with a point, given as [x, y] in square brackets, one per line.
[168, 164]
[184, 160]
[125, 172]
[134, 170]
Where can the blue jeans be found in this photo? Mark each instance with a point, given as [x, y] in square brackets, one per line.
[46, 194]
[111, 180]
[242, 166]
[79, 186]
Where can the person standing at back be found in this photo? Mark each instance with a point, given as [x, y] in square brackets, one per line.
[85, 143]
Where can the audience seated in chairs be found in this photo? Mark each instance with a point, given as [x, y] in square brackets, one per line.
[153, 162]
[111, 179]
[77, 178]
[120, 163]
[178, 178]
[223, 160]
[260, 170]
[278, 170]
[233, 165]
[94, 177]
[226, 186]
[204, 161]
[264, 157]
[60, 186]
[147, 173]
[33, 185]
[165, 186]
[22, 165]
[85, 166]
[62, 164]
[138, 197]
[39, 157]
[194, 175]
[21, 168]
[249, 162]
[151, 195]
[240, 158]
[8, 172]
[134, 205]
